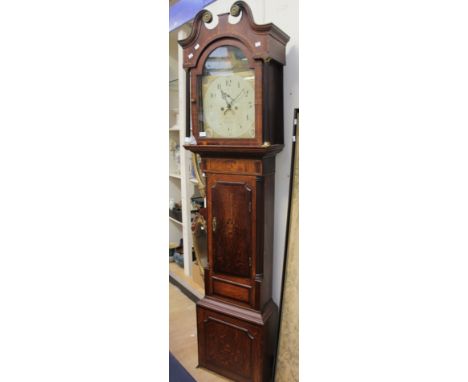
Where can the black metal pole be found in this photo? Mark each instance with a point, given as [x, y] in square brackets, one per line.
[288, 223]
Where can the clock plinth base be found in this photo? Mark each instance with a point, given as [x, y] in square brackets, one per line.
[236, 342]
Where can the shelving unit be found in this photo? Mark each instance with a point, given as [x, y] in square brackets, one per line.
[175, 220]
[181, 188]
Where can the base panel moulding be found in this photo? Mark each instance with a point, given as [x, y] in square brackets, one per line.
[237, 342]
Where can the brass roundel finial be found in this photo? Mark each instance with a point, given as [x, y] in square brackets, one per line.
[235, 10]
[207, 17]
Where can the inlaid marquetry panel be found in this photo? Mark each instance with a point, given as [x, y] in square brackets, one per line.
[234, 166]
[232, 227]
[228, 346]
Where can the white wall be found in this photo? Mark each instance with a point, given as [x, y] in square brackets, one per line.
[285, 14]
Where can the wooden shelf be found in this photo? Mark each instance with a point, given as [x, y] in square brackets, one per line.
[176, 221]
[174, 85]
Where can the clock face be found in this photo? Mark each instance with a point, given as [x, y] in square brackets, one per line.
[228, 95]
[228, 107]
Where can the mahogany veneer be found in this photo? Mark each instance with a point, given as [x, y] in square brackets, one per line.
[237, 319]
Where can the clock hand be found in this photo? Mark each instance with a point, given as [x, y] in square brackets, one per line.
[224, 95]
[237, 96]
[227, 95]
[232, 99]
[229, 105]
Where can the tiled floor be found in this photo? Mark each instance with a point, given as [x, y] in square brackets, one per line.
[183, 336]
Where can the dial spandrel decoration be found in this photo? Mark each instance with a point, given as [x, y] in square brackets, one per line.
[228, 95]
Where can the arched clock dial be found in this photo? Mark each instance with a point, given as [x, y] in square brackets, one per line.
[228, 107]
[227, 95]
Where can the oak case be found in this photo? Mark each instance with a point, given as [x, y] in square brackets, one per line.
[237, 319]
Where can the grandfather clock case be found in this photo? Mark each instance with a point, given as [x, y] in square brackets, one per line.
[235, 109]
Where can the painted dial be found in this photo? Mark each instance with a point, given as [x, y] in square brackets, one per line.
[228, 107]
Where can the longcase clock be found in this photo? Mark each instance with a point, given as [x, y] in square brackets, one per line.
[235, 101]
